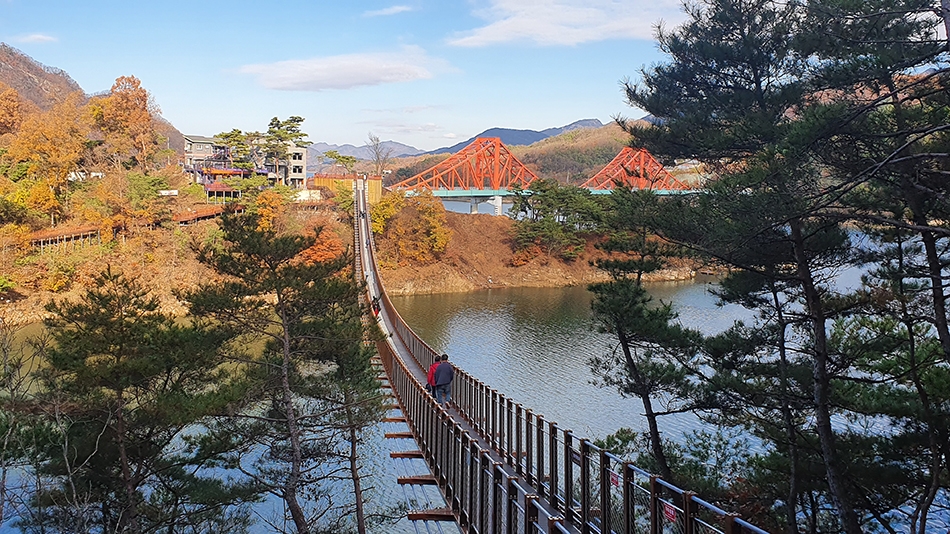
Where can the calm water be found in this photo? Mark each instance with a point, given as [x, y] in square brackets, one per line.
[533, 345]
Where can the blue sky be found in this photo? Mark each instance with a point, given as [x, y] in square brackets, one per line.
[428, 73]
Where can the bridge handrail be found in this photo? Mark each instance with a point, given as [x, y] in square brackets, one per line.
[568, 481]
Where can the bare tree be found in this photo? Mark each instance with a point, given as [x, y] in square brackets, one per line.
[382, 155]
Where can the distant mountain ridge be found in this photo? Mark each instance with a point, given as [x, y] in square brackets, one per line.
[520, 137]
[364, 152]
[508, 136]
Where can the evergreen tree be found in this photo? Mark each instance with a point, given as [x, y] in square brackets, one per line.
[808, 134]
[127, 388]
[310, 383]
[653, 351]
[551, 216]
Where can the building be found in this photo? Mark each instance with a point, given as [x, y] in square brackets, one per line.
[208, 161]
[295, 170]
[198, 148]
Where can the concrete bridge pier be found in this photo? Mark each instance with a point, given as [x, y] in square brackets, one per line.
[495, 201]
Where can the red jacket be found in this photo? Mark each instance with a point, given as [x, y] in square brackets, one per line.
[430, 376]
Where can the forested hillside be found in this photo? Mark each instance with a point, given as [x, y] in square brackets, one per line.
[34, 82]
[574, 156]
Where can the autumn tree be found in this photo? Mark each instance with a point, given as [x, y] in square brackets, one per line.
[125, 119]
[51, 144]
[327, 244]
[269, 206]
[10, 113]
[415, 227]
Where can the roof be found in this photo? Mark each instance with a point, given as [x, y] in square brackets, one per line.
[202, 139]
[218, 186]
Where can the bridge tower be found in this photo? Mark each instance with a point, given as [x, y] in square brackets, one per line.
[635, 168]
[485, 164]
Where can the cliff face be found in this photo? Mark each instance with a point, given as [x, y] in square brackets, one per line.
[42, 85]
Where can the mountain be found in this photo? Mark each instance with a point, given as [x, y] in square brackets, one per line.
[45, 86]
[364, 152]
[42, 85]
[508, 136]
[521, 137]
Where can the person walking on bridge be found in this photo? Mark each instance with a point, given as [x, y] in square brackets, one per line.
[430, 375]
[444, 374]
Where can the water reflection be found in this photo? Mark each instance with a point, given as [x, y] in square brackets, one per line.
[533, 345]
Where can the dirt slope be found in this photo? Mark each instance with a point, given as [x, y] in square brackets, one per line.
[479, 256]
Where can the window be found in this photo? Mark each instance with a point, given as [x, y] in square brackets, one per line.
[297, 169]
[297, 156]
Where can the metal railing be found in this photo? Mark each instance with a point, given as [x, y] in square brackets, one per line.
[523, 474]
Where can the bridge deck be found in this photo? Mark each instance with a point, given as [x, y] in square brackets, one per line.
[502, 468]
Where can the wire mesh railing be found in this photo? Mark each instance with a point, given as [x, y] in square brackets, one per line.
[509, 470]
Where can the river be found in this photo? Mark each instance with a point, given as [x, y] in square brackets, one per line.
[533, 345]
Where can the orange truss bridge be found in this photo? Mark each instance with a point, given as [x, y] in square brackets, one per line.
[484, 167]
[635, 168]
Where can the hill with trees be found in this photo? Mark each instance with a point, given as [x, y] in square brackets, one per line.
[514, 137]
[34, 82]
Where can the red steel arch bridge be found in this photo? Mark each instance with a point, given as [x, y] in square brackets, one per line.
[503, 468]
[487, 169]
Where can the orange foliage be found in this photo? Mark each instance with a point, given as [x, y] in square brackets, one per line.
[125, 118]
[328, 246]
[14, 242]
[10, 113]
[269, 206]
[104, 203]
[525, 255]
[419, 231]
[52, 143]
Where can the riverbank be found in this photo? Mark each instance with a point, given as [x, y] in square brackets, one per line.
[479, 256]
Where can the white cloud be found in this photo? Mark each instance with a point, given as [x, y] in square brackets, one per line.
[404, 110]
[35, 38]
[568, 22]
[345, 71]
[387, 11]
[450, 136]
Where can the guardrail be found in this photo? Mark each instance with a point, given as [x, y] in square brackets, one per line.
[531, 476]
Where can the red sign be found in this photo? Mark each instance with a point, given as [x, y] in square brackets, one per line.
[669, 512]
[614, 478]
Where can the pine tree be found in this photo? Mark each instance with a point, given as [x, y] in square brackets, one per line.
[128, 388]
[812, 121]
[654, 350]
[309, 382]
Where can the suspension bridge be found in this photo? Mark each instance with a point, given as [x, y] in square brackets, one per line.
[500, 467]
